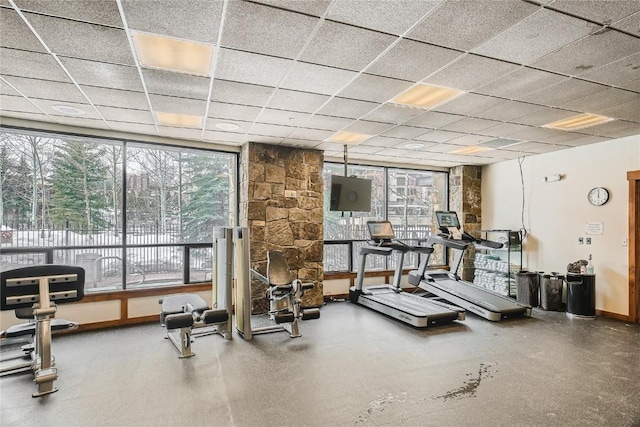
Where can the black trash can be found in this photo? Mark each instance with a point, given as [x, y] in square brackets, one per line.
[528, 284]
[551, 292]
[581, 295]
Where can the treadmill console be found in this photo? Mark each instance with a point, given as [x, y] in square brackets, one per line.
[381, 232]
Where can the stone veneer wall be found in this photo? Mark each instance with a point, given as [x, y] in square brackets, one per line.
[293, 225]
[464, 198]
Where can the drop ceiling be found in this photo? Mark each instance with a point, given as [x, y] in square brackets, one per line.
[296, 72]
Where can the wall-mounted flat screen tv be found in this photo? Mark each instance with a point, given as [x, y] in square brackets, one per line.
[350, 194]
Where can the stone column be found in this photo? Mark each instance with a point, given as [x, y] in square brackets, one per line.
[464, 198]
[281, 196]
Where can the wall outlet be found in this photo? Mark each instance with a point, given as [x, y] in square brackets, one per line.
[588, 240]
[624, 242]
[290, 194]
[580, 240]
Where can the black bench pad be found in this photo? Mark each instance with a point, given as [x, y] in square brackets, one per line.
[30, 328]
[172, 304]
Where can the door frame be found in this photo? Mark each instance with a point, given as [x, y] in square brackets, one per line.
[634, 245]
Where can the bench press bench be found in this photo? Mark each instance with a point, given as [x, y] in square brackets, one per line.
[187, 312]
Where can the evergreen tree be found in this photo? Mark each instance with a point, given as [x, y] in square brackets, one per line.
[77, 186]
[205, 196]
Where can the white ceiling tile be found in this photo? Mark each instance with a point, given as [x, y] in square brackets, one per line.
[282, 117]
[316, 78]
[328, 46]
[219, 136]
[367, 128]
[392, 113]
[412, 60]
[179, 132]
[602, 11]
[534, 147]
[563, 92]
[503, 130]
[291, 100]
[464, 24]
[521, 82]
[181, 85]
[16, 34]
[377, 15]
[98, 12]
[233, 111]
[271, 130]
[240, 93]
[24, 116]
[469, 104]
[80, 122]
[405, 132]
[470, 139]
[243, 126]
[287, 31]
[383, 141]
[46, 89]
[349, 108]
[103, 74]
[69, 38]
[170, 104]
[628, 111]
[251, 68]
[46, 104]
[311, 134]
[116, 98]
[439, 136]
[469, 124]
[316, 7]
[374, 88]
[508, 110]
[543, 117]
[126, 115]
[590, 52]
[630, 24]
[190, 19]
[535, 36]
[30, 64]
[17, 104]
[318, 121]
[457, 75]
[616, 73]
[614, 129]
[601, 101]
[434, 120]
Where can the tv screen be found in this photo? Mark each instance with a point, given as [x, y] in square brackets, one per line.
[350, 194]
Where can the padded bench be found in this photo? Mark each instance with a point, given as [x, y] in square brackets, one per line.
[187, 312]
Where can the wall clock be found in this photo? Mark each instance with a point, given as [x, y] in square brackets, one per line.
[598, 196]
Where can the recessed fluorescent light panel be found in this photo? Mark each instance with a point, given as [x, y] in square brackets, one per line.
[227, 126]
[426, 96]
[578, 122]
[413, 145]
[181, 56]
[474, 149]
[348, 138]
[180, 120]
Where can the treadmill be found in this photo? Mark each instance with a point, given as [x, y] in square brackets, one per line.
[391, 299]
[448, 285]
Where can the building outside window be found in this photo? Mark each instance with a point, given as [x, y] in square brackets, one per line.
[406, 197]
[133, 215]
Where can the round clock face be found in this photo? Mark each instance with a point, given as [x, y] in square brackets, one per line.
[598, 196]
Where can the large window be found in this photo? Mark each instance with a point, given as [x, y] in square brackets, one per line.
[133, 215]
[406, 197]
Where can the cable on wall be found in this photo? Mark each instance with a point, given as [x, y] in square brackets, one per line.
[523, 231]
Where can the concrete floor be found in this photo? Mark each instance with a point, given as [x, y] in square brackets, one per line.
[351, 367]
